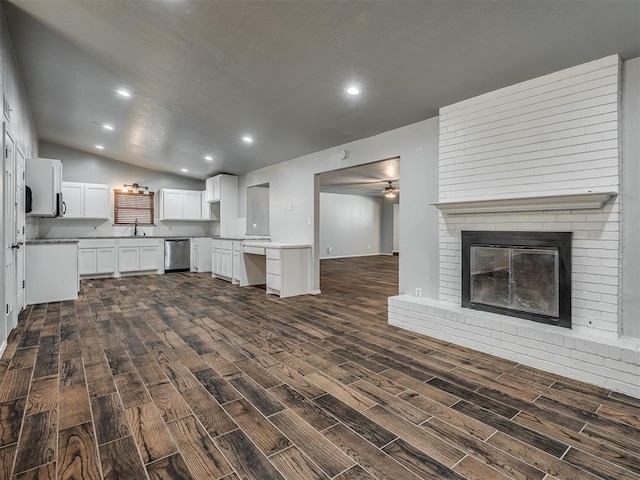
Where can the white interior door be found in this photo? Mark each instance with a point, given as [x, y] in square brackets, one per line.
[20, 233]
[9, 237]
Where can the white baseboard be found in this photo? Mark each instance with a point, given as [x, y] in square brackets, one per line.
[354, 256]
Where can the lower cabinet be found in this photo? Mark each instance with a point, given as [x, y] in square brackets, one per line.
[139, 255]
[96, 257]
[104, 257]
[51, 272]
[201, 251]
[222, 259]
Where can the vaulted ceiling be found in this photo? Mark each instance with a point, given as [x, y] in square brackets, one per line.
[202, 74]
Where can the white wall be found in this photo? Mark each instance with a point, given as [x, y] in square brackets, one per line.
[21, 128]
[631, 196]
[349, 225]
[396, 228]
[292, 183]
[387, 224]
[79, 166]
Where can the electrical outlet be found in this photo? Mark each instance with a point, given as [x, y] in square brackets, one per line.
[309, 221]
[418, 292]
[291, 206]
[329, 249]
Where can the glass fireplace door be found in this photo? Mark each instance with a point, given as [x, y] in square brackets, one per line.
[515, 278]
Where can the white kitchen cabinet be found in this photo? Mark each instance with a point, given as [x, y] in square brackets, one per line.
[205, 207]
[235, 270]
[180, 204]
[192, 205]
[222, 191]
[96, 257]
[44, 177]
[149, 258]
[139, 255]
[129, 259]
[96, 200]
[85, 200]
[171, 205]
[87, 264]
[73, 198]
[201, 254]
[51, 272]
[213, 188]
[284, 268]
[105, 260]
[222, 259]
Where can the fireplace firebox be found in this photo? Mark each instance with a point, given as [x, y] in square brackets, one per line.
[521, 274]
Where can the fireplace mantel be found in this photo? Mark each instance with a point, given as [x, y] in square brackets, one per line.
[568, 201]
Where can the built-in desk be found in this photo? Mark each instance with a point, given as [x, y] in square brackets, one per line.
[284, 268]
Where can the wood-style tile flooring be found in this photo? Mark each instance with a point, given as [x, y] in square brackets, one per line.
[182, 376]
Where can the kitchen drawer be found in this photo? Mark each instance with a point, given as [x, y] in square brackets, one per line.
[274, 282]
[274, 266]
[138, 242]
[274, 253]
[97, 243]
[216, 243]
[254, 250]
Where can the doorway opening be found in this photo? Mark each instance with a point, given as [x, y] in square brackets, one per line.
[357, 214]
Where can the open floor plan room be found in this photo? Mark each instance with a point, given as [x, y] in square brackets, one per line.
[159, 379]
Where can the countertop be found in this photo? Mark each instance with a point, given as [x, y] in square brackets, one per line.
[111, 237]
[51, 241]
[276, 245]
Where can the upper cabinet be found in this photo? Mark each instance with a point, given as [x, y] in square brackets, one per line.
[180, 204]
[213, 188]
[222, 191]
[85, 200]
[44, 178]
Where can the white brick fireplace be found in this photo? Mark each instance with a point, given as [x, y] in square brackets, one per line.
[507, 162]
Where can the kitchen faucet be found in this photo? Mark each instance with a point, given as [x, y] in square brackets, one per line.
[135, 228]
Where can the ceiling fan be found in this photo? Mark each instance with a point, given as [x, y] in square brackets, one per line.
[390, 191]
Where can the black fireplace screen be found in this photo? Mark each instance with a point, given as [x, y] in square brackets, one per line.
[522, 274]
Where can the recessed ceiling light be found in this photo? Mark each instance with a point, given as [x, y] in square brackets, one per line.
[184, 170]
[124, 93]
[100, 147]
[247, 139]
[208, 158]
[106, 126]
[353, 90]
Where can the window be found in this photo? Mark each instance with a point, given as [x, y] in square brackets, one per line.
[129, 207]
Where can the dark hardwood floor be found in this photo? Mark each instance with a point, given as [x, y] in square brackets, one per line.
[182, 376]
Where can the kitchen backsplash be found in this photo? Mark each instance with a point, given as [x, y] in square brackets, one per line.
[83, 228]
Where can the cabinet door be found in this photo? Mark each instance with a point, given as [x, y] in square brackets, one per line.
[129, 259]
[173, 205]
[236, 266]
[192, 205]
[73, 197]
[194, 255]
[96, 201]
[215, 261]
[87, 261]
[149, 258]
[105, 260]
[227, 263]
[205, 206]
[213, 189]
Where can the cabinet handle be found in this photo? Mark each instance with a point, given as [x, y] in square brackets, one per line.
[64, 208]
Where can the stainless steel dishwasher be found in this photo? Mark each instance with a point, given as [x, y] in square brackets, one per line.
[177, 255]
